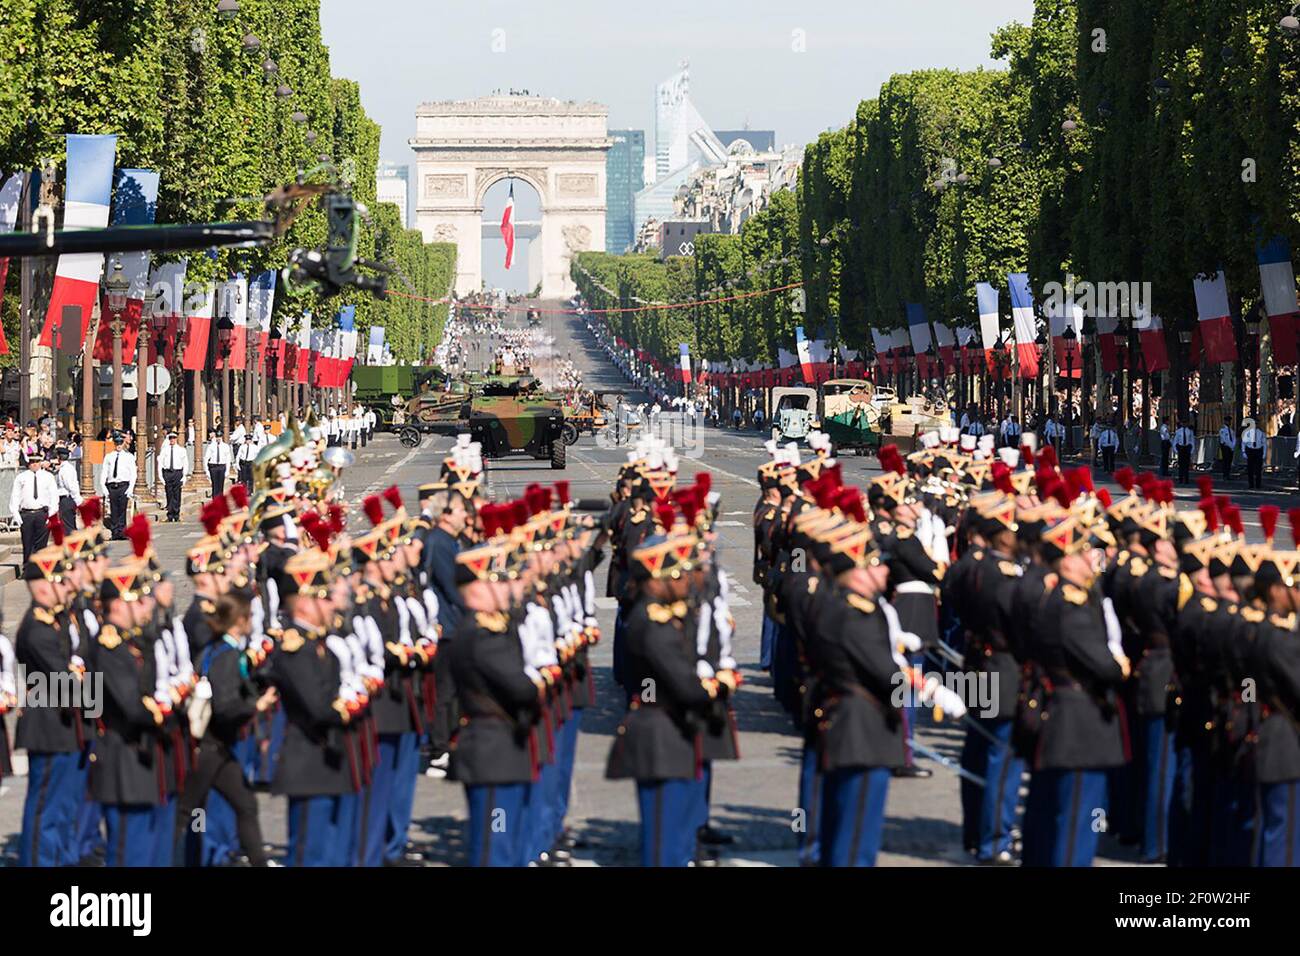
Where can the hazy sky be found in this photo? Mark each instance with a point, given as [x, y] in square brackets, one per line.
[742, 53]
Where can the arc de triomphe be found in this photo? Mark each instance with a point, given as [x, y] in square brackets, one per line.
[462, 147]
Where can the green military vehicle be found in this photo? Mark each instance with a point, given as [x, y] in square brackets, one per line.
[387, 388]
[509, 418]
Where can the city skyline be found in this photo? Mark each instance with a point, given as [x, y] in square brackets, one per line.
[815, 65]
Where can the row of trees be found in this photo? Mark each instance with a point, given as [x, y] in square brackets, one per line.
[1124, 142]
[224, 109]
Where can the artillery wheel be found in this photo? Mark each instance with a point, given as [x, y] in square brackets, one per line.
[569, 433]
[409, 436]
[557, 455]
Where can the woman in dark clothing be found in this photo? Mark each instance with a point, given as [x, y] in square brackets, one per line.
[235, 701]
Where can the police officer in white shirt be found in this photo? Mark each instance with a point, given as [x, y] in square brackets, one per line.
[259, 434]
[171, 472]
[116, 482]
[69, 486]
[246, 455]
[332, 428]
[973, 426]
[35, 497]
[237, 437]
[1227, 447]
[1184, 443]
[218, 459]
[1253, 441]
[1052, 432]
[1010, 432]
[1166, 442]
[1108, 442]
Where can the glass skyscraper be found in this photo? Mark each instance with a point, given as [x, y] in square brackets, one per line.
[624, 178]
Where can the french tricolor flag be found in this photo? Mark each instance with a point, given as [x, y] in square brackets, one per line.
[685, 352]
[302, 370]
[88, 189]
[1151, 336]
[918, 329]
[1215, 317]
[990, 333]
[134, 204]
[11, 194]
[168, 283]
[946, 343]
[1108, 340]
[804, 350]
[347, 343]
[1022, 316]
[1066, 353]
[199, 307]
[508, 227]
[261, 299]
[232, 303]
[1277, 281]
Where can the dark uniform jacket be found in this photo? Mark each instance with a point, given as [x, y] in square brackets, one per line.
[659, 738]
[395, 705]
[859, 726]
[1082, 726]
[130, 765]
[44, 648]
[994, 582]
[314, 758]
[1275, 658]
[495, 742]
[197, 629]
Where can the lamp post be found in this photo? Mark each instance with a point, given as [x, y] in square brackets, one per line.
[116, 289]
[225, 329]
[145, 438]
[1070, 337]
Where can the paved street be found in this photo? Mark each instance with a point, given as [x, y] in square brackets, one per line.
[753, 799]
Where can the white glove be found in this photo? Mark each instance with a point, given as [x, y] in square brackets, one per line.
[1113, 631]
[936, 695]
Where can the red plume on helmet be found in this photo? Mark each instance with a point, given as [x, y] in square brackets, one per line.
[139, 532]
[1268, 515]
[1205, 485]
[91, 510]
[336, 518]
[1084, 476]
[1104, 497]
[1072, 483]
[374, 509]
[1027, 457]
[220, 508]
[519, 513]
[688, 500]
[1144, 480]
[1232, 518]
[891, 460]
[55, 526]
[665, 515]
[1002, 478]
[1211, 512]
[834, 475]
[319, 530]
[1166, 492]
[490, 515]
[849, 501]
[1293, 516]
[1047, 457]
[562, 492]
[1044, 478]
[239, 495]
[211, 518]
[393, 495]
[1125, 478]
[704, 481]
[1062, 494]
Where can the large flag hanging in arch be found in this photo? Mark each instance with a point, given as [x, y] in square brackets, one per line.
[1277, 281]
[508, 226]
[1022, 315]
[88, 188]
[1215, 317]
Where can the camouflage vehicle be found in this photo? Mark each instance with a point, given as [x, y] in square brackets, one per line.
[507, 420]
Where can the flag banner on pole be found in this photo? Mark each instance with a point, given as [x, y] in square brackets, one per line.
[685, 353]
[1151, 336]
[508, 226]
[135, 203]
[283, 349]
[375, 345]
[11, 194]
[232, 304]
[1066, 353]
[167, 283]
[199, 306]
[347, 341]
[880, 344]
[803, 349]
[261, 301]
[303, 365]
[1277, 282]
[990, 333]
[317, 350]
[946, 343]
[968, 353]
[1113, 357]
[918, 328]
[1022, 317]
[900, 341]
[1215, 319]
[88, 187]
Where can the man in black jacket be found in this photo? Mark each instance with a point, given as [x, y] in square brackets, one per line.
[50, 731]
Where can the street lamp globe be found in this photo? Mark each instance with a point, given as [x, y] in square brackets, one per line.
[228, 9]
[299, 117]
[116, 289]
[995, 162]
[270, 67]
[1291, 23]
[284, 91]
[825, 241]
[250, 43]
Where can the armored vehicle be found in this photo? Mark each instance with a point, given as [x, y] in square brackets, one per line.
[507, 419]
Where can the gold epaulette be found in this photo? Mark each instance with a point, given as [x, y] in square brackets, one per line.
[109, 638]
[770, 515]
[1074, 594]
[1285, 623]
[1010, 569]
[1185, 590]
[493, 621]
[1209, 605]
[1253, 614]
[1167, 573]
[1137, 567]
[207, 607]
[663, 613]
[637, 517]
[291, 641]
[1123, 558]
[44, 615]
[902, 532]
[862, 604]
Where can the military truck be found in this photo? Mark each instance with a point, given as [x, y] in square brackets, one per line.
[376, 386]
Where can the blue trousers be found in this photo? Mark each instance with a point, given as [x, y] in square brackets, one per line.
[1001, 772]
[270, 737]
[974, 759]
[810, 801]
[56, 787]
[1279, 836]
[1182, 844]
[620, 636]
[1061, 819]
[391, 796]
[768, 643]
[565, 755]
[496, 831]
[853, 815]
[319, 830]
[1232, 820]
[668, 812]
[1156, 765]
[164, 828]
[133, 835]
[539, 812]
